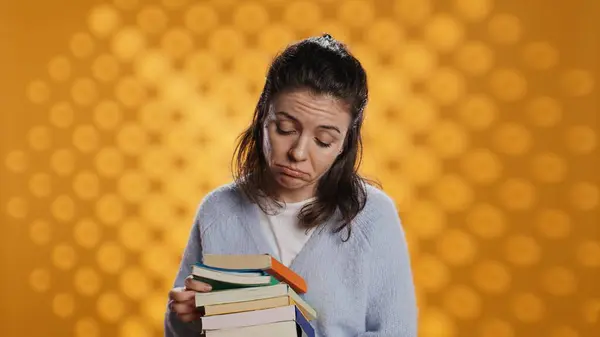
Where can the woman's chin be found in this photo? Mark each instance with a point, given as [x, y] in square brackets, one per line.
[288, 182]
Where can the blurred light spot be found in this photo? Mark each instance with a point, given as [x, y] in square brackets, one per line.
[522, 250]
[132, 139]
[564, 331]
[491, 276]
[109, 162]
[226, 42]
[103, 20]
[431, 273]
[172, 4]
[508, 85]
[481, 166]
[106, 68]
[486, 221]
[356, 13]
[559, 281]
[548, 167]
[84, 91]
[584, 196]
[17, 207]
[201, 18]
[40, 185]
[39, 138]
[446, 86]
[553, 223]
[64, 256]
[474, 58]
[109, 209]
[135, 283]
[59, 68]
[153, 307]
[517, 194]
[107, 115]
[39, 280]
[473, 10]
[504, 29]
[157, 258]
[250, 17]
[63, 305]
[87, 282]
[38, 91]
[540, 55]
[17, 161]
[128, 43]
[422, 166]
[134, 235]
[434, 322]
[62, 161]
[588, 254]
[577, 82]
[452, 193]
[544, 111]
[130, 92]
[86, 233]
[462, 302]
[153, 66]
[82, 45]
[135, 327]
[110, 257]
[415, 60]
[61, 115]
[580, 139]
[443, 32]
[384, 35]
[152, 19]
[176, 43]
[496, 327]
[528, 308]
[591, 308]
[412, 12]
[302, 15]
[456, 247]
[426, 219]
[156, 162]
[134, 186]
[87, 327]
[418, 113]
[512, 139]
[156, 210]
[86, 185]
[40, 232]
[85, 138]
[448, 139]
[126, 5]
[110, 307]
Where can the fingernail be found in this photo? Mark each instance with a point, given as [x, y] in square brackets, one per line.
[208, 288]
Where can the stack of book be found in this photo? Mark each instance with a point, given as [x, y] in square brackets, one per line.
[252, 295]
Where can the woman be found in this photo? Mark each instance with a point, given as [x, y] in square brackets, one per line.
[297, 196]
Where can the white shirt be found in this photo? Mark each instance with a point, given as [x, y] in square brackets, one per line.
[283, 231]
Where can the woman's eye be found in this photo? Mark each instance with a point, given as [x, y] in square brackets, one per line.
[321, 143]
[284, 129]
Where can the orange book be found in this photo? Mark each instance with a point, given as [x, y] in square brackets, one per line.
[263, 262]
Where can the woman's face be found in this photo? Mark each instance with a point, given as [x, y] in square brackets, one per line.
[305, 134]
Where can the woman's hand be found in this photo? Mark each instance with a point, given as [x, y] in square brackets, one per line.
[182, 300]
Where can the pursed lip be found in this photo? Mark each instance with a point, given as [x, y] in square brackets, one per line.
[291, 171]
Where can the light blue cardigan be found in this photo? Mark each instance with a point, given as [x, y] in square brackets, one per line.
[359, 288]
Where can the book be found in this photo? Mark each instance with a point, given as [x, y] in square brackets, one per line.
[257, 318]
[257, 262]
[220, 279]
[279, 329]
[239, 298]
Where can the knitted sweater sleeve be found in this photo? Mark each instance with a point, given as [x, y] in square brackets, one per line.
[392, 309]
